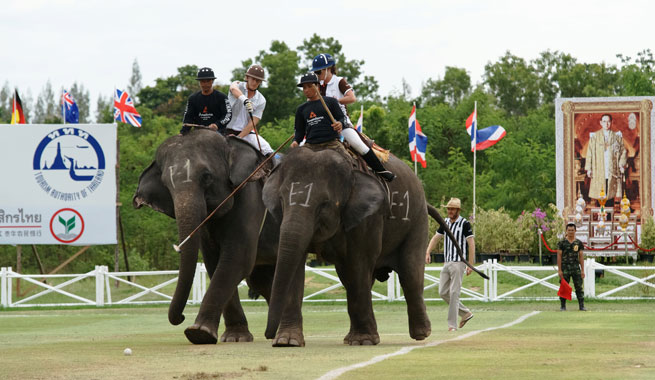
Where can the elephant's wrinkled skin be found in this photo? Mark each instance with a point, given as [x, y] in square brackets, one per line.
[327, 207]
[191, 175]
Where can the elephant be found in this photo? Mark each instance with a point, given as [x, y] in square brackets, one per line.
[354, 221]
[190, 176]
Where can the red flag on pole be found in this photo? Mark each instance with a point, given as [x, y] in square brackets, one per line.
[565, 290]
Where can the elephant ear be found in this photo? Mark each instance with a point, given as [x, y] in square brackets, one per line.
[271, 194]
[366, 198]
[152, 192]
[242, 160]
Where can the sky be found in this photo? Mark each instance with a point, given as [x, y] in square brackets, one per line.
[95, 42]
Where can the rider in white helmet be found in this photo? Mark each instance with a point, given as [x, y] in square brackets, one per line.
[337, 87]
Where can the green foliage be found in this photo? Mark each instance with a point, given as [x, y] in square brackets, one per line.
[648, 234]
[495, 231]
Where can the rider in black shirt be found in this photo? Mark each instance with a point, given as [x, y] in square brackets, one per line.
[314, 124]
[207, 107]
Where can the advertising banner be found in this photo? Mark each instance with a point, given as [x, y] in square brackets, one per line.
[58, 184]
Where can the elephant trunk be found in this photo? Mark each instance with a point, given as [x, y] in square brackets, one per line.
[188, 217]
[294, 241]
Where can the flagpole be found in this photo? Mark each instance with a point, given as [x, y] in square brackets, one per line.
[63, 109]
[475, 150]
[415, 150]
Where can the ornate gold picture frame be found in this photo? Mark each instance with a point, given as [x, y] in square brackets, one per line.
[579, 120]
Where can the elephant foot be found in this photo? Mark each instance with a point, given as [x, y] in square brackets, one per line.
[359, 339]
[198, 334]
[289, 338]
[236, 334]
[420, 333]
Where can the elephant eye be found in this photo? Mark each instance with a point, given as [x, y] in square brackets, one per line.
[206, 179]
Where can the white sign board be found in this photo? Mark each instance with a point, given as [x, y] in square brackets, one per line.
[58, 184]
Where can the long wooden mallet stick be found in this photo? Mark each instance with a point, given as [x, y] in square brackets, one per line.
[178, 248]
[325, 105]
[254, 127]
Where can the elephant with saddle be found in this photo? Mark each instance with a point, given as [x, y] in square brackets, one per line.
[353, 220]
[190, 176]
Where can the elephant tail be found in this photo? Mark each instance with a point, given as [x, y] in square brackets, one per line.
[434, 213]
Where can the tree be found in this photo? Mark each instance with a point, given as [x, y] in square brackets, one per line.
[104, 110]
[455, 84]
[169, 95]
[637, 78]
[349, 69]
[46, 110]
[5, 103]
[514, 83]
[282, 96]
[134, 87]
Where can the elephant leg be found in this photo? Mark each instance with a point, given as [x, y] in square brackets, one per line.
[236, 324]
[261, 280]
[357, 281]
[290, 332]
[411, 276]
[222, 288]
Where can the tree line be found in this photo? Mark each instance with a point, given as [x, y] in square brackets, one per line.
[516, 174]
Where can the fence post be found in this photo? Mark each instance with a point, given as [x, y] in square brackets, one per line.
[391, 285]
[494, 280]
[9, 289]
[100, 286]
[485, 281]
[3, 287]
[590, 278]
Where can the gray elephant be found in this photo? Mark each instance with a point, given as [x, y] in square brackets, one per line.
[352, 220]
[190, 176]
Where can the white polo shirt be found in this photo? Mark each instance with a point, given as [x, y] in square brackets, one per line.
[240, 117]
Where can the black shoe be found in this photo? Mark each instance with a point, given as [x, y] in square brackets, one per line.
[563, 308]
[386, 175]
[582, 308]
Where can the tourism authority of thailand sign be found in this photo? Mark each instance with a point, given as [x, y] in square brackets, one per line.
[59, 184]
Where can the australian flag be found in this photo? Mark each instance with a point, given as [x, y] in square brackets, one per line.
[69, 108]
[124, 110]
[483, 138]
[418, 142]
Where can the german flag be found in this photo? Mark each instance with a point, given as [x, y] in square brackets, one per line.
[17, 115]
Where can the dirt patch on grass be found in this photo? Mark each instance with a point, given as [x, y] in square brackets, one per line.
[221, 375]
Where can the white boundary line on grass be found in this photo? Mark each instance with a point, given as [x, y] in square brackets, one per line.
[340, 371]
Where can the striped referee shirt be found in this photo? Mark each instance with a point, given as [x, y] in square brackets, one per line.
[461, 229]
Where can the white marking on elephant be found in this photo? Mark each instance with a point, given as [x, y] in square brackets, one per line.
[292, 193]
[407, 208]
[340, 371]
[393, 203]
[171, 171]
[187, 165]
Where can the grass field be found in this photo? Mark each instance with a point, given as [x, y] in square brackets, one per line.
[614, 340]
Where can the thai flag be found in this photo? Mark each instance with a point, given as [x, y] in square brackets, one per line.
[360, 121]
[484, 137]
[418, 142]
[124, 110]
[70, 110]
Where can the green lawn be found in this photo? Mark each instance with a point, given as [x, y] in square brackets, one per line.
[614, 340]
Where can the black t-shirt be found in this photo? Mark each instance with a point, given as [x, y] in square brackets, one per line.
[207, 109]
[314, 124]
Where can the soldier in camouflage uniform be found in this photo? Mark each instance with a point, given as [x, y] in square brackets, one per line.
[570, 263]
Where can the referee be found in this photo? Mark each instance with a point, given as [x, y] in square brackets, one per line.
[450, 282]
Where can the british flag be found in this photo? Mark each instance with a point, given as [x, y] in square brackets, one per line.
[124, 110]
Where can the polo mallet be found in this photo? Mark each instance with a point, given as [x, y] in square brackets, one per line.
[178, 248]
[254, 127]
[318, 92]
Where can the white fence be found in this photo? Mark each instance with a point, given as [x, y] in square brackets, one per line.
[491, 290]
